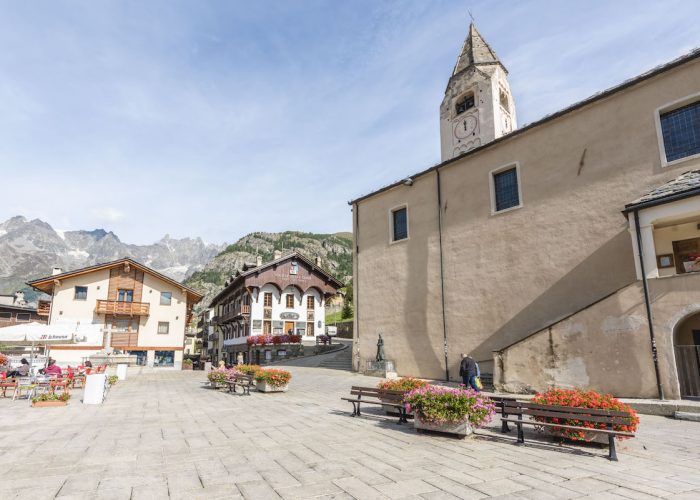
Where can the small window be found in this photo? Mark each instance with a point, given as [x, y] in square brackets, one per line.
[310, 302]
[23, 316]
[80, 293]
[124, 295]
[506, 193]
[267, 300]
[310, 329]
[5, 315]
[399, 219]
[267, 327]
[294, 268]
[163, 327]
[290, 301]
[680, 129]
[503, 98]
[166, 298]
[464, 104]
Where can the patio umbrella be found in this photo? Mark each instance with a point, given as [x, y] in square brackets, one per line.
[37, 333]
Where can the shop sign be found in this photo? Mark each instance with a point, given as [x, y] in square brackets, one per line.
[289, 315]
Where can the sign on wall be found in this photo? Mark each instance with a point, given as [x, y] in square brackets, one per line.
[289, 315]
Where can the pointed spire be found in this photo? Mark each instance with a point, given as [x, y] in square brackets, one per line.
[475, 51]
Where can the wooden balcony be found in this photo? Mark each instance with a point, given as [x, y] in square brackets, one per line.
[123, 340]
[117, 308]
[43, 308]
[243, 310]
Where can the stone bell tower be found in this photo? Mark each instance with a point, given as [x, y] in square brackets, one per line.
[478, 106]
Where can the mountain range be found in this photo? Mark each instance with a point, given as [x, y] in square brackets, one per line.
[334, 250]
[31, 248]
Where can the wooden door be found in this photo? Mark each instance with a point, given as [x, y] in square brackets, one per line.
[289, 325]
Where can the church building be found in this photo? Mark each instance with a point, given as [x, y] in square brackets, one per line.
[563, 253]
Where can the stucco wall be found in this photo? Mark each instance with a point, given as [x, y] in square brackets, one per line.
[606, 346]
[175, 314]
[509, 275]
[65, 307]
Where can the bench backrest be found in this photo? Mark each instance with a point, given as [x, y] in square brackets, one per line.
[373, 392]
[240, 377]
[597, 415]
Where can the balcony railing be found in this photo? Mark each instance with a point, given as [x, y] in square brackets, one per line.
[243, 310]
[122, 308]
[43, 308]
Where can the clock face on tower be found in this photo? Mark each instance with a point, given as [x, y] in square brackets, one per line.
[465, 127]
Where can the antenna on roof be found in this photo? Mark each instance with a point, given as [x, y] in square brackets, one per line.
[471, 15]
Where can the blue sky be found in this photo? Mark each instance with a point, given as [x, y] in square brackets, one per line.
[218, 118]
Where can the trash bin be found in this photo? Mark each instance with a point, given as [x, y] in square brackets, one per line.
[94, 391]
[121, 371]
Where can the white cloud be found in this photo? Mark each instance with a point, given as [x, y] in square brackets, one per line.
[107, 214]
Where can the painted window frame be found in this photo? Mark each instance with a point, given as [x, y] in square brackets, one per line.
[167, 327]
[289, 304]
[170, 298]
[75, 292]
[392, 210]
[492, 187]
[310, 302]
[672, 106]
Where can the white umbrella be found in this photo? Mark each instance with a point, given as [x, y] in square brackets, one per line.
[36, 333]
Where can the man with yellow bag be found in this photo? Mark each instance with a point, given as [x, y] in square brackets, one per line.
[469, 371]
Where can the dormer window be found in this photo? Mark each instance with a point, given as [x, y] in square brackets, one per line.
[465, 103]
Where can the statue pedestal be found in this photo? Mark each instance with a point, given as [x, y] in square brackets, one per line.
[384, 369]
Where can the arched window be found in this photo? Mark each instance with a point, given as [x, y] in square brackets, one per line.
[465, 103]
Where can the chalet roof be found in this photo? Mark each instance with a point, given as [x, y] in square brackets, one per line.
[475, 51]
[290, 256]
[686, 58]
[683, 186]
[46, 284]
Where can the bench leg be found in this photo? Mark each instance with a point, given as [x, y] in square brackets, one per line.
[504, 426]
[358, 408]
[354, 409]
[521, 436]
[612, 453]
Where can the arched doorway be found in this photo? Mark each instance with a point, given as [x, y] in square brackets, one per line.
[686, 344]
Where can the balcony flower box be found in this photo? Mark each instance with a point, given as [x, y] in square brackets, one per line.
[449, 410]
[271, 380]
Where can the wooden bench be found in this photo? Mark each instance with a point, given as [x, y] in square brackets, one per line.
[239, 379]
[499, 400]
[374, 396]
[514, 411]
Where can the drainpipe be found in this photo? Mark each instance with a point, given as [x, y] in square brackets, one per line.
[442, 274]
[356, 281]
[647, 303]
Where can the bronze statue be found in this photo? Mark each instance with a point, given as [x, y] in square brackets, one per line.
[380, 348]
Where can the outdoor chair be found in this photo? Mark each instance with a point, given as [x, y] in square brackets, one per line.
[8, 383]
[26, 385]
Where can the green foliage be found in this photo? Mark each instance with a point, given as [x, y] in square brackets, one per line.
[207, 276]
[347, 312]
[337, 317]
[112, 379]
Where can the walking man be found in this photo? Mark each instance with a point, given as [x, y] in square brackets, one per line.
[469, 370]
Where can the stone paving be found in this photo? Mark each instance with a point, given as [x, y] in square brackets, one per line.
[163, 435]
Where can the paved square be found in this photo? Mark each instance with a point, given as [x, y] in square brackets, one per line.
[163, 435]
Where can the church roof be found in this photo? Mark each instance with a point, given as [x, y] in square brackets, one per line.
[475, 51]
[683, 186]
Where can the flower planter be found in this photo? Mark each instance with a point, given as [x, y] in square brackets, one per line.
[39, 404]
[462, 429]
[589, 437]
[393, 411]
[265, 387]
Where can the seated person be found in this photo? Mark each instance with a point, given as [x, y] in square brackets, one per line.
[52, 368]
[21, 371]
